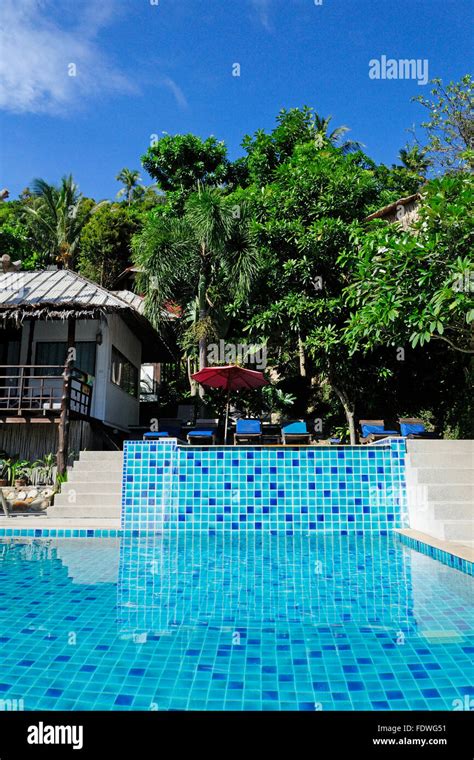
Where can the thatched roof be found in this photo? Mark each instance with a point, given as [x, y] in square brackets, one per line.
[60, 294]
[392, 207]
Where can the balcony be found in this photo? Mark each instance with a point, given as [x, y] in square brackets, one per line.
[37, 390]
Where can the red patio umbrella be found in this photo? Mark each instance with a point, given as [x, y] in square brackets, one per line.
[231, 377]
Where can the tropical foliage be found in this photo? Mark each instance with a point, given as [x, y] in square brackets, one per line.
[417, 286]
[358, 318]
[197, 260]
[449, 126]
[57, 216]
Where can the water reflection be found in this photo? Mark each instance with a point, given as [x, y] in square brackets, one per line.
[241, 579]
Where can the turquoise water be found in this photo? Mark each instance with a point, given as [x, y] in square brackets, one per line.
[230, 622]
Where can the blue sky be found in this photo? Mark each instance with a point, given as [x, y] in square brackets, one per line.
[144, 69]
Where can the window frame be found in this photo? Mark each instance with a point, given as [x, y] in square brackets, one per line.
[131, 369]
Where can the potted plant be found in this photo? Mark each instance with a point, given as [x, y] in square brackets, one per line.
[3, 473]
[43, 470]
[16, 471]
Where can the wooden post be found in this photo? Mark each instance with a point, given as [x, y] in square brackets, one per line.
[63, 430]
[29, 350]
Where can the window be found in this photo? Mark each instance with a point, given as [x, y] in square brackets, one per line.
[124, 373]
[55, 353]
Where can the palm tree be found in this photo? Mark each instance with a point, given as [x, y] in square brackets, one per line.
[131, 190]
[324, 137]
[208, 257]
[414, 159]
[58, 215]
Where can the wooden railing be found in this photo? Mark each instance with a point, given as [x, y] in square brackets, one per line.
[39, 389]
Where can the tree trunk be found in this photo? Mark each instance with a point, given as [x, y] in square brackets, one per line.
[203, 313]
[349, 409]
[302, 356]
[192, 383]
[63, 430]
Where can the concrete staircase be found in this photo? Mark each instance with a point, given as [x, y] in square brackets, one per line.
[93, 489]
[440, 489]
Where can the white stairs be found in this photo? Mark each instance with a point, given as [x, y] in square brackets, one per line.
[93, 489]
[440, 488]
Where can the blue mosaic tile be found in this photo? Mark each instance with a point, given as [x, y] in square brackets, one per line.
[192, 621]
[237, 488]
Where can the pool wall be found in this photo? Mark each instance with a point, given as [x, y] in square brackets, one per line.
[344, 489]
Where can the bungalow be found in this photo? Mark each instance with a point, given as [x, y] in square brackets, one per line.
[47, 316]
[405, 211]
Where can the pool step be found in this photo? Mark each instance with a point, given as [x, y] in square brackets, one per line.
[102, 456]
[458, 530]
[428, 446]
[71, 497]
[73, 511]
[445, 460]
[450, 491]
[79, 476]
[451, 510]
[440, 488]
[437, 475]
[93, 489]
[79, 487]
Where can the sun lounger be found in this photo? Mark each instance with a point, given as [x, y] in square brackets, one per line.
[374, 430]
[414, 427]
[186, 414]
[248, 431]
[295, 432]
[204, 432]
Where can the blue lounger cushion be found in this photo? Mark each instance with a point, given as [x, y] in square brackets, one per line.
[246, 427]
[376, 430]
[155, 435]
[202, 433]
[412, 428]
[295, 428]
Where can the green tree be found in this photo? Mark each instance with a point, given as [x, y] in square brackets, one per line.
[57, 216]
[265, 152]
[414, 159]
[449, 125]
[181, 163]
[105, 245]
[15, 237]
[417, 286]
[131, 190]
[200, 258]
[305, 217]
[324, 137]
[296, 126]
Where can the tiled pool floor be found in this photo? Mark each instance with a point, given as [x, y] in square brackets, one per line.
[195, 621]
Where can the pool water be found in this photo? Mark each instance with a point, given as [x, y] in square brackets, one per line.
[232, 621]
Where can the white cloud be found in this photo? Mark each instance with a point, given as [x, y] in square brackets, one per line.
[176, 90]
[37, 50]
[262, 8]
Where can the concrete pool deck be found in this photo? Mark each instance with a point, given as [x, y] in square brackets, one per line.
[51, 523]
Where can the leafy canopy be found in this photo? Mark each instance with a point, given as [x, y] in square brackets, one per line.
[416, 285]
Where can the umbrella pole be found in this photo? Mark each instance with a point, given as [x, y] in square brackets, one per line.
[227, 416]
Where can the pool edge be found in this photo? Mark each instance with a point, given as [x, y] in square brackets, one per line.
[456, 556]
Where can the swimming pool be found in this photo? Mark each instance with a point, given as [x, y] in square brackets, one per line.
[232, 621]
